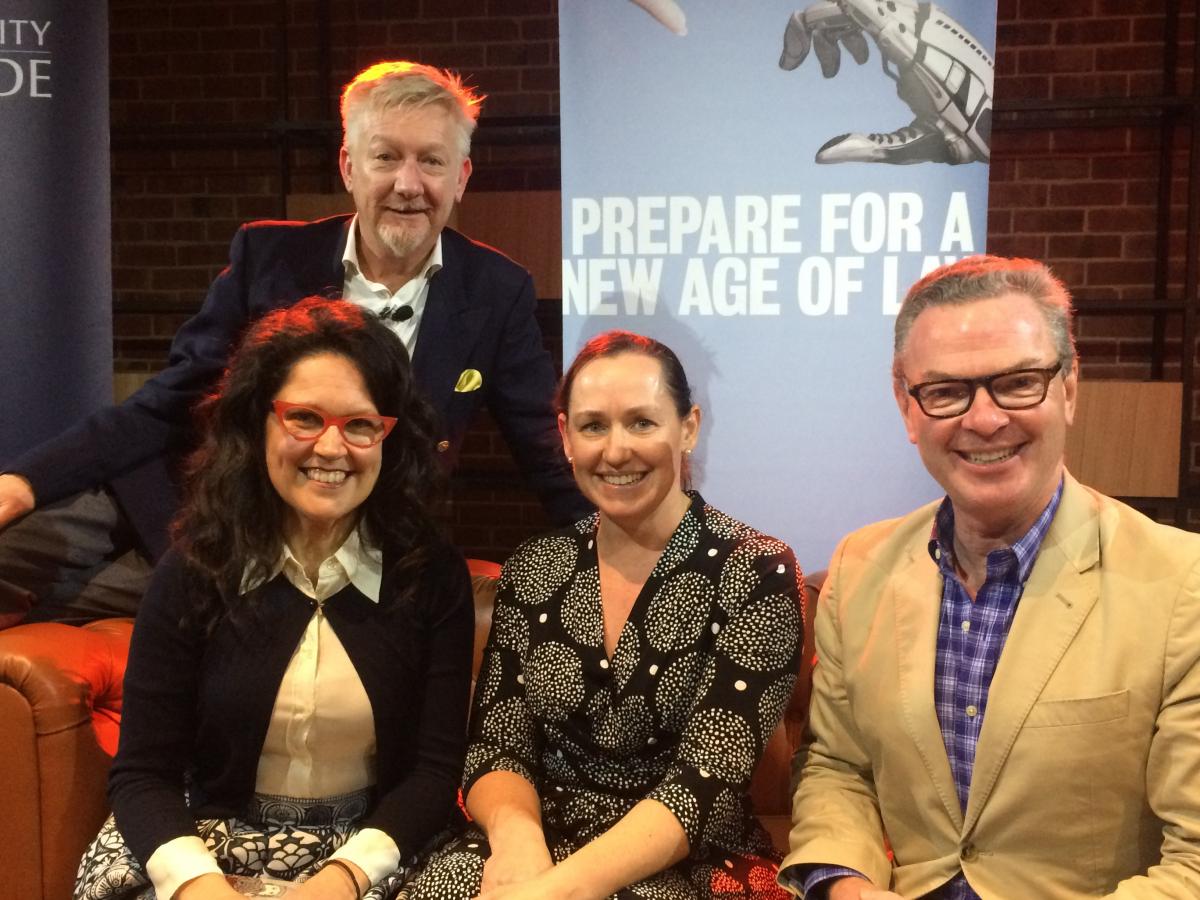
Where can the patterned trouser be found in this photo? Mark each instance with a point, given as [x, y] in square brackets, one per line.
[282, 837]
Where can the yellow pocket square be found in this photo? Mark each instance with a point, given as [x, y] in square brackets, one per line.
[469, 380]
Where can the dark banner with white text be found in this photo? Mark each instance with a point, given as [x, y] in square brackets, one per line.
[55, 227]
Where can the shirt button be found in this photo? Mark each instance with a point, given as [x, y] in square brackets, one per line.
[966, 625]
[972, 711]
[443, 446]
[969, 853]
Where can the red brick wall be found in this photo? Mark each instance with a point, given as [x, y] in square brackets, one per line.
[1085, 199]
[186, 72]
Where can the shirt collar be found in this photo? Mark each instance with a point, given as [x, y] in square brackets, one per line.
[350, 255]
[361, 563]
[1023, 551]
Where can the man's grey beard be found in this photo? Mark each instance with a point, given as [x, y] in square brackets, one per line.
[399, 240]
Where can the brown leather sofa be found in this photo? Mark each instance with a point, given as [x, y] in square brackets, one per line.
[60, 712]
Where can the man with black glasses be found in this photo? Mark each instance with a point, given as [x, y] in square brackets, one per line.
[1008, 689]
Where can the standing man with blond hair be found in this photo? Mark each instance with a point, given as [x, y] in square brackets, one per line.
[85, 513]
[1008, 682]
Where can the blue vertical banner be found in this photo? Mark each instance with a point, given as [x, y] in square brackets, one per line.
[55, 222]
[756, 185]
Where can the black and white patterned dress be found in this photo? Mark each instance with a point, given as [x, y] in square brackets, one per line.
[697, 683]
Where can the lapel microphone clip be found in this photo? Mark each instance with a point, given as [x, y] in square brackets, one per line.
[396, 313]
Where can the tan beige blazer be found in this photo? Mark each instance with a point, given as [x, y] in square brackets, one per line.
[1087, 774]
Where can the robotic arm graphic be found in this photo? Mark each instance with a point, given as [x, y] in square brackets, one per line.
[941, 72]
[668, 12]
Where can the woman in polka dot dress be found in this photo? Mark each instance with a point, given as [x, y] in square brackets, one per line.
[638, 663]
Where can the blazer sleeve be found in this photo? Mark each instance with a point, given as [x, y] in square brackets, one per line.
[420, 803]
[835, 808]
[156, 418]
[1173, 766]
[158, 722]
[520, 397]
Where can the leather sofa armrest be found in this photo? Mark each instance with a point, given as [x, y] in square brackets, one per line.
[60, 702]
[484, 576]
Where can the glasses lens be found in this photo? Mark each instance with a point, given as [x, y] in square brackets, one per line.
[1017, 390]
[363, 431]
[944, 398]
[302, 422]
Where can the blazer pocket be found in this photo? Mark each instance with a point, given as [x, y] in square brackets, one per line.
[1081, 711]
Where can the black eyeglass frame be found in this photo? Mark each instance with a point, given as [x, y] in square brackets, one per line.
[974, 384]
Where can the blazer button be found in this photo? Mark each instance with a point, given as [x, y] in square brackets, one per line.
[969, 852]
[443, 446]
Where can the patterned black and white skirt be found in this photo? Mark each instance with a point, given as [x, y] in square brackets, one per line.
[455, 872]
[282, 837]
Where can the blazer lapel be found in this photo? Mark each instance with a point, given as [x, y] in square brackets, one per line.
[1062, 589]
[917, 602]
[319, 272]
[450, 325]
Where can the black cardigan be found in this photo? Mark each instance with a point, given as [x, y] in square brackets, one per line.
[196, 709]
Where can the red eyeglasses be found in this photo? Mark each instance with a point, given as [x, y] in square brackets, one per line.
[306, 423]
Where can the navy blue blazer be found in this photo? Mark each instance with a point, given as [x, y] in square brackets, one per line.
[479, 315]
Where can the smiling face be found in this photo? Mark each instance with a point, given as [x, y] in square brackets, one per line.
[405, 171]
[999, 467]
[627, 441]
[323, 482]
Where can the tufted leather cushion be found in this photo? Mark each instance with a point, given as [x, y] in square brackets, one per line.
[60, 707]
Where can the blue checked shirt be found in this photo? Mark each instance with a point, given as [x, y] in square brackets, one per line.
[970, 638]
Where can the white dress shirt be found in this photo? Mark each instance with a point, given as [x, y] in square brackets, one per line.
[376, 297]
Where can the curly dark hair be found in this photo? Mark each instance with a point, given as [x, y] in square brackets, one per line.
[230, 528]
